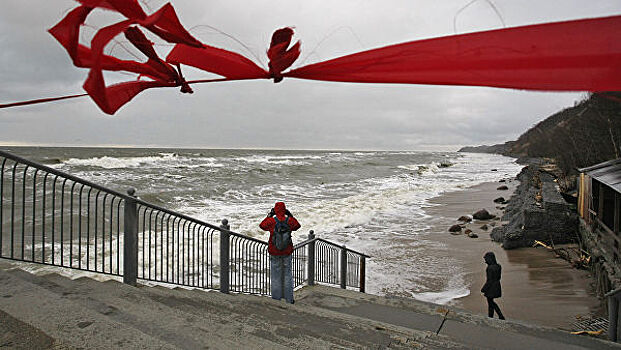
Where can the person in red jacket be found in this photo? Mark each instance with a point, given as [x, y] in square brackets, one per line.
[281, 278]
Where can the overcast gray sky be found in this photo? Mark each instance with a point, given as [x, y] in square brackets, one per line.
[294, 114]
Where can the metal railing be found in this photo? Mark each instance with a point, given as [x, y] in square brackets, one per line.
[328, 263]
[53, 218]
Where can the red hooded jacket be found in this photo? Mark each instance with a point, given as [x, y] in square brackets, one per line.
[268, 224]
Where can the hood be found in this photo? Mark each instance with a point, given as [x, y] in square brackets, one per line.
[490, 258]
[280, 210]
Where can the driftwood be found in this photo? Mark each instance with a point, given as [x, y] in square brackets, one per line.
[578, 258]
[598, 332]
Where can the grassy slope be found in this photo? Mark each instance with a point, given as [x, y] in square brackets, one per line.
[583, 135]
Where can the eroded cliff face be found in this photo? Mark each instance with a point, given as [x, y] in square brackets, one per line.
[585, 134]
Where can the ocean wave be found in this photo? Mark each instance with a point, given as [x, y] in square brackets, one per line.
[442, 297]
[422, 169]
[120, 162]
[163, 159]
[277, 160]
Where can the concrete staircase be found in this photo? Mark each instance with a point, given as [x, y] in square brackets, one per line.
[55, 312]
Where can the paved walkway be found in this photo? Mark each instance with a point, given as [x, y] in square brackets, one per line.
[456, 327]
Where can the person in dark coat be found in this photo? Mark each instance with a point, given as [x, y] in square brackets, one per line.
[281, 277]
[491, 289]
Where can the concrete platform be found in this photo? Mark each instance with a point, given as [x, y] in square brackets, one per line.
[55, 312]
[450, 324]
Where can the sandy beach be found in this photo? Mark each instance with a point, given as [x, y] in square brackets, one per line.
[537, 287]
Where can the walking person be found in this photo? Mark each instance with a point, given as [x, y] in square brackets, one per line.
[280, 223]
[491, 289]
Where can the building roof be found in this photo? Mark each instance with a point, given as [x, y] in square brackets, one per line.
[608, 173]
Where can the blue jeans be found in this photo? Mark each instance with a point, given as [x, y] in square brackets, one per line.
[281, 279]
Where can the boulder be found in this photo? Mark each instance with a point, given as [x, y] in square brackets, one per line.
[499, 200]
[494, 169]
[484, 227]
[468, 231]
[473, 235]
[465, 218]
[482, 214]
[502, 188]
[455, 228]
[502, 180]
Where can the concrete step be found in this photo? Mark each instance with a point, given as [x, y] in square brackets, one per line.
[64, 320]
[16, 334]
[305, 326]
[92, 314]
[136, 308]
[462, 327]
[244, 321]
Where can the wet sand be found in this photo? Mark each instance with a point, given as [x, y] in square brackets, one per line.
[536, 286]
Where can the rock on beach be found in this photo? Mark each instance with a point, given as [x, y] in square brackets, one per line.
[482, 214]
[455, 228]
[465, 218]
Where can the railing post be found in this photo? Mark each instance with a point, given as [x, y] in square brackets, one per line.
[224, 256]
[311, 258]
[363, 272]
[344, 267]
[130, 239]
[613, 317]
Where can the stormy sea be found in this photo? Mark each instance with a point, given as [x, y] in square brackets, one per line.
[372, 202]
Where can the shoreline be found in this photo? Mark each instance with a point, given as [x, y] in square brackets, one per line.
[536, 286]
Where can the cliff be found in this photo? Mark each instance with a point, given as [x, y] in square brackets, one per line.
[579, 136]
[585, 134]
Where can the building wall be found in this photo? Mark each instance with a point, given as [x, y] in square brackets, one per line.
[603, 267]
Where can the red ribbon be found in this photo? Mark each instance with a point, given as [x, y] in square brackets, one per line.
[581, 55]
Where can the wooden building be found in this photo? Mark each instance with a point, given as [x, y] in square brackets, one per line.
[599, 203]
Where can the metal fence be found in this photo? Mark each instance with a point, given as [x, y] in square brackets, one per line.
[53, 218]
[48, 217]
[328, 263]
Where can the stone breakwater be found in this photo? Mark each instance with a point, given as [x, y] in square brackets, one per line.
[536, 211]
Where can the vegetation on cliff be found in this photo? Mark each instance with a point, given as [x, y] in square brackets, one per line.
[585, 134]
[579, 136]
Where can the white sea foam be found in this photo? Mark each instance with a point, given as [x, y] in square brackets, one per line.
[164, 159]
[442, 297]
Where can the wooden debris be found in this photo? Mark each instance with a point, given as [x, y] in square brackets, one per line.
[588, 332]
[578, 258]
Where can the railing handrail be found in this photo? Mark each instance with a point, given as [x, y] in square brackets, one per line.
[194, 220]
[62, 174]
[342, 247]
[317, 239]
